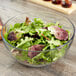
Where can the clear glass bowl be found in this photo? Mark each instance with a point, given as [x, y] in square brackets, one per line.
[53, 54]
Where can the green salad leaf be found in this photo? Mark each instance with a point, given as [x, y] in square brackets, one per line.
[33, 33]
[23, 41]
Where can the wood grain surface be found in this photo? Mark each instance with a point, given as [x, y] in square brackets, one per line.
[49, 4]
[10, 67]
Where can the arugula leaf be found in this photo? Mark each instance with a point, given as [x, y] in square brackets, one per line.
[50, 24]
[17, 25]
[23, 56]
[55, 42]
[27, 39]
[38, 21]
[5, 36]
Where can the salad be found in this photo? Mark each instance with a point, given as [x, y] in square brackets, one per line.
[36, 39]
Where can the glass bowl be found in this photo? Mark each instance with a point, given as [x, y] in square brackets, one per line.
[53, 54]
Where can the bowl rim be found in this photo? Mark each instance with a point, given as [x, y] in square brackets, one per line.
[38, 51]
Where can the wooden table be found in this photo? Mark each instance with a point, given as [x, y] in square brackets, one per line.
[9, 67]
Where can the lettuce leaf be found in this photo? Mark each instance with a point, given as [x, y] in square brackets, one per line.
[23, 41]
[55, 42]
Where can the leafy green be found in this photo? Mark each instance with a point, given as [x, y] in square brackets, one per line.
[23, 56]
[27, 37]
[55, 42]
[17, 25]
[23, 41]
